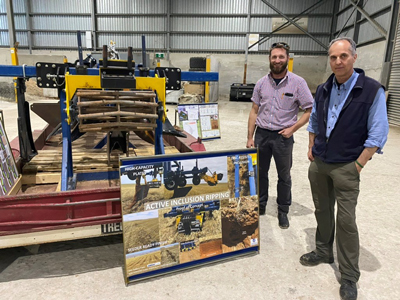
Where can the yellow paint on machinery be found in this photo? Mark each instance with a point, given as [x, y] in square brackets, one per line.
[14, 62]
[207, 83]
[290, 64]
[74, 82]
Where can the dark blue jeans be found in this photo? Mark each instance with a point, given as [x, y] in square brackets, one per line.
[272, 144]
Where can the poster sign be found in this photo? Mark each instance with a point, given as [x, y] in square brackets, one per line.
[180, 211]
[200, 120]
[289, 28]
[253, 38]
[9, 174]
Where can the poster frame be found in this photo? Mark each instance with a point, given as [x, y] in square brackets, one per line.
[143, 160]
[200, 130]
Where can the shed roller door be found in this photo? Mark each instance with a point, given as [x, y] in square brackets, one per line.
[394, 83]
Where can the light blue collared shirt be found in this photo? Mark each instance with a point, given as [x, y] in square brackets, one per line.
[377, 124]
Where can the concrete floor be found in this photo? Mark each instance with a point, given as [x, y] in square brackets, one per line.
[92, 268]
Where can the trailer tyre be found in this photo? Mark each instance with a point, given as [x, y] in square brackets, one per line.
[170, 185]
[196, 180]
[182, 182]
[131, 176]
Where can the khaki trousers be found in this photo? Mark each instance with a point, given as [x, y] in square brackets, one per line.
[330, 184]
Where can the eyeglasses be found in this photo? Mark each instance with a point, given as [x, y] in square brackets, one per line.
[280, 45]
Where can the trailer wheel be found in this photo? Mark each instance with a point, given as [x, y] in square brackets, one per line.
[182, 181]
[170, 184]
[131, 176]
[196, 180]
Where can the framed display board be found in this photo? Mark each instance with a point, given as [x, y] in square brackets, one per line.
[184, 210]
[9, 173]
[200, 120]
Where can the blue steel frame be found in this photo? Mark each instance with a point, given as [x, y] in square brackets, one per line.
[67, 178]
[30, 71]
[66, 163]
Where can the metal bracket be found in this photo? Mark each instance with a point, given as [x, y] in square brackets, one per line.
[172, 77]
[50, 75]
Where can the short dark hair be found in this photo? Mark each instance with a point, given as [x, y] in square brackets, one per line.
[281, 45]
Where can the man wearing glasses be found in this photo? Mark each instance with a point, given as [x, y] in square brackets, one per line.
[277, 98]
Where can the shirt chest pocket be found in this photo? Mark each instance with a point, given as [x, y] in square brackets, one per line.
[286, 102]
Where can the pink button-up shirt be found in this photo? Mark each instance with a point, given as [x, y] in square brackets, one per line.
[279, 104]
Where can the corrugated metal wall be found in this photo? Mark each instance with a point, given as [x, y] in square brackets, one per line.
[352, 23]
[181, 25]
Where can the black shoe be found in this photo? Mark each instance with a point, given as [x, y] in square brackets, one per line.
[348, 290]
[312, 259]
[262, 211]
[283, 220]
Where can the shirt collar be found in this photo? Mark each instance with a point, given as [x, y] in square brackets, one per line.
[348, 83]
[286, 76]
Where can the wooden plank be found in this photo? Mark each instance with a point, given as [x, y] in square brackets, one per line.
[16, 187]
[113, 102]
[42, 178]
[111, 126]
[115, 114]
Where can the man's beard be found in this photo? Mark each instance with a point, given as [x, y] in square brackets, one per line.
[278, 69]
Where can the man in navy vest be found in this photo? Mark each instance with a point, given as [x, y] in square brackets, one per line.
[348, 124]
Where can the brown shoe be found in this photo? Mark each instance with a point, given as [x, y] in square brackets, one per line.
[312, 259]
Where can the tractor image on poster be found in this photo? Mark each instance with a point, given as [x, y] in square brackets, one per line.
[175, 176]
[191, 217]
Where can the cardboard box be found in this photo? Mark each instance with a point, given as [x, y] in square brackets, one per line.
[194, 88]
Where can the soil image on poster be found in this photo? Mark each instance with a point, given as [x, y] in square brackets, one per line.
[189, 251]
[141, 185]
[210, 248]
[195, 177]
[242, 161]
[195, 221]
[141, 231]
[214, 122]
[143, 261]
[170, 255]
[240, 223]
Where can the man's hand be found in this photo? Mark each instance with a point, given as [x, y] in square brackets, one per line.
[287, 132]
[250, 143]
[310, 155]
[359, 169]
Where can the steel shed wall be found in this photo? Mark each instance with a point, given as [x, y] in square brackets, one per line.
[132, 7]
[209, 7]
[393, 103]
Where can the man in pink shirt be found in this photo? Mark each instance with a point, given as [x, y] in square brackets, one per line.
[277, 98]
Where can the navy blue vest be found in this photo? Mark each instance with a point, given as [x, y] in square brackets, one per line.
[346, 141]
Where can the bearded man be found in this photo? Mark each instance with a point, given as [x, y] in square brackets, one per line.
[273, 118]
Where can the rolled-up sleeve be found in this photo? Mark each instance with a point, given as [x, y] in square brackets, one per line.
[378, 125]
[312, 123]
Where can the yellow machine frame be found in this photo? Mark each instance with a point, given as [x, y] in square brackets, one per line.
[74, 82]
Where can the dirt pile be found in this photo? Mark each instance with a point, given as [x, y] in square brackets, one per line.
[239, 223]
